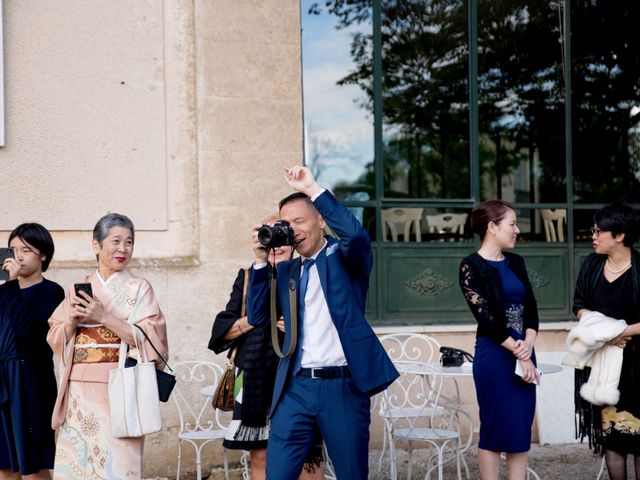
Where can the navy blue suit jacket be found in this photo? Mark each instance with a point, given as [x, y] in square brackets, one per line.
[344, 266]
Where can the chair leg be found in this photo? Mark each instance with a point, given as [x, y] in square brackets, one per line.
[226, 464]
[198, 463]
[179, 459]
[384, 445]
[603, 464]
[410, 457]
[393, 460]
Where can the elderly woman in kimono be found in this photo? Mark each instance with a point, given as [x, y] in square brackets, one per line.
[85, 332]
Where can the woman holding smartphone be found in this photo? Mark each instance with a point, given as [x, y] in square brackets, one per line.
[498, 291]
[27, 379]
[86, 331]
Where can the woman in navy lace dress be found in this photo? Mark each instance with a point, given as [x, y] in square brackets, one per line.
[497, 289]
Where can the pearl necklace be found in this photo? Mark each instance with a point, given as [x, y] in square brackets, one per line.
[611, 270]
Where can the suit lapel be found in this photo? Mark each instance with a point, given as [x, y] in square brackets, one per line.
[321, 265]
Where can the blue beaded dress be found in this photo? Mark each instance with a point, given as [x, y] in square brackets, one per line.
[507, 404]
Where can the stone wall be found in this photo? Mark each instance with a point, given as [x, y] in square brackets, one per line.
[180, 114]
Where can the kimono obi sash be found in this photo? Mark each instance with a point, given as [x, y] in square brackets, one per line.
[95, 344]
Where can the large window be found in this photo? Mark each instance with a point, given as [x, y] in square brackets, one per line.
[606, 101]
[415, 110]
[337, 107]
[521, 101]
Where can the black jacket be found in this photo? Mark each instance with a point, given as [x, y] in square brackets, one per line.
[590, 272]
[482, 288]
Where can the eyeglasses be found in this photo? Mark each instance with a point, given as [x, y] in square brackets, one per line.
[597, 231]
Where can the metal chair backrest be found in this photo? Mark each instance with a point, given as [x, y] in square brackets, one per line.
[554, 222]
[406, 217]
[447, 223]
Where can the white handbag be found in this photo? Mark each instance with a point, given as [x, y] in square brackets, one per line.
[133, 395]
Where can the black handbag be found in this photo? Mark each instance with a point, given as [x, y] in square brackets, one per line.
[453, 357]
[166, 381]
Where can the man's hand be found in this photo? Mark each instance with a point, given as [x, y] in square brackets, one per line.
[301, 179]
[259, 251]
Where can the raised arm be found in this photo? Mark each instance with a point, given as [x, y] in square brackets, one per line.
[354, 241]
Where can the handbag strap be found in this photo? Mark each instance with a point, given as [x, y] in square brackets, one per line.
[243, 309]
[152, 346]
[243, 312]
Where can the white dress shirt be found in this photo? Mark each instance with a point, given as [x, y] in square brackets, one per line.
[321, 345]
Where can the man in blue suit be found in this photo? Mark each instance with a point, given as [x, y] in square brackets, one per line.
[338, 361]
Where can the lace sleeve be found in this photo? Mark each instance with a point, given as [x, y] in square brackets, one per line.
[473, 293]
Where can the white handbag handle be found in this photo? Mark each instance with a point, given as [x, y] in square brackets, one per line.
[122, 356]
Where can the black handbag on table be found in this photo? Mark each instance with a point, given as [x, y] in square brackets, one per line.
[453, 357]
[166, 381]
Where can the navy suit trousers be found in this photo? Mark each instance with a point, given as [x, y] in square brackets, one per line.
[338, 409]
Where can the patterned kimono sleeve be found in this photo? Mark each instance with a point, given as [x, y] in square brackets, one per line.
[56, 337]
[473, 292]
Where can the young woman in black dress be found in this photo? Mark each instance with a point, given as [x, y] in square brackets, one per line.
[609, 282]
[499, 294]
[28, 383]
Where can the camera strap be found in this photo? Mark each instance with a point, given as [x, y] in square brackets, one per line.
[293, 308]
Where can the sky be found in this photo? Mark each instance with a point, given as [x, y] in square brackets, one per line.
[338, 132]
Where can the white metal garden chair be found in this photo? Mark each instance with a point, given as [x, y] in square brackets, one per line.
[200, 423]
[415, 415]
[407, 348]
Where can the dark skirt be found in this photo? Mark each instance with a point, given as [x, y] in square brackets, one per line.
[621, 423]
[507, 404]
[240, 436]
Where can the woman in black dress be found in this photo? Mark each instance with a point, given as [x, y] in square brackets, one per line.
[499, 294]
[609, 282]
[256, 364]
[27, 380]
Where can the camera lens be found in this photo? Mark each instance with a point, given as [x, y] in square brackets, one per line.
[265, 235]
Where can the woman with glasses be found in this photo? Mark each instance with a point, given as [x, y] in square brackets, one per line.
[498, 291]
[27, 380]
[609, 283]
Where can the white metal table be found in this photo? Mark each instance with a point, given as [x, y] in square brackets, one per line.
[465, 370]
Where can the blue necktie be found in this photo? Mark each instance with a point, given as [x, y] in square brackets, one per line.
[304, 282]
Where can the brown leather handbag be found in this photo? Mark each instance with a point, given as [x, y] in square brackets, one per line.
[223, 398]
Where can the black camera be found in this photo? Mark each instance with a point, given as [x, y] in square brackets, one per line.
[280, 235]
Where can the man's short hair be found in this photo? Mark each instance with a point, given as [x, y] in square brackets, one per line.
[297, 196]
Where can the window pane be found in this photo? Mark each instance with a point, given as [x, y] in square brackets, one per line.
[521, 101]
[606, 101]
[338, 125]
[542, 225]
[425, 99]
[582, 223]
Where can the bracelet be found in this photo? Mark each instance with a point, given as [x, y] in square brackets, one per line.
[239, 327]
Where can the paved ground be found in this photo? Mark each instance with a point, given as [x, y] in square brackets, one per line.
[558, 462]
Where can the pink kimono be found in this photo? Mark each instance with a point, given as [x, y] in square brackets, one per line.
[85, 447]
